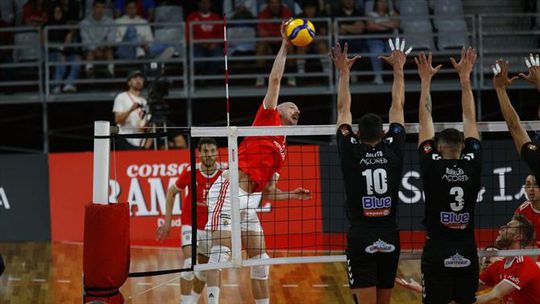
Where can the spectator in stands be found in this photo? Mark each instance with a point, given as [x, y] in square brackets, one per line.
[134, 29]
[278, 12]
[129, 113]
[72, 10]
[35, 13]
[145, 8]
[97, 30]
[88, 8]
[241, 10]
[311, 10]
[352, 27]
[206, 31]
[63, 53]
[381, 23]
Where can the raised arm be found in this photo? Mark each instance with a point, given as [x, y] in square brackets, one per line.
[343, 65]
[464, 68]
[397, 60]
[501, 82]
[274, 80]
[273, 193]
[533, 64]
[500, 291]
[426, 72]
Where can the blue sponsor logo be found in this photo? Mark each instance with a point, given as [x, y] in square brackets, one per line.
[371, 202]
[455, 220]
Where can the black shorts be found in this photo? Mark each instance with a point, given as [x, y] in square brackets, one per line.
[372, 257]
[449, 272]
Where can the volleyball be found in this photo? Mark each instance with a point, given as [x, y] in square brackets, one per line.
[300, 32]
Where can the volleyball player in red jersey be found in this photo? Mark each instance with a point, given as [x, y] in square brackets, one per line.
[260, 159]
[207, 172]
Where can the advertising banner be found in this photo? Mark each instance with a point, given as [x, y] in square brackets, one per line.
[24, 198]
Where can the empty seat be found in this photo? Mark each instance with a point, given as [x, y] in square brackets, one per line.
[169, 13]
[241, 32]
[173, 36]
[29, 48]
[416, 26]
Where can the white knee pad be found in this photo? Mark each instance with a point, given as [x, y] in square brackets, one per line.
[187, 275]
[260, 272]
[219, 254]
[201, 275]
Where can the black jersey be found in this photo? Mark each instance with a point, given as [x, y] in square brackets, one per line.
[451, 190]
[372, 176]
[530, 154]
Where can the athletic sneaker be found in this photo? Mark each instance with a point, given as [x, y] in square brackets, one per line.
[291, 81]
[69, 88]
[378, 80]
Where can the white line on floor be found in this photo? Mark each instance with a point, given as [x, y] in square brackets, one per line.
[14, 279]
[64, 281]
[144, 284]
[289, 285]
[320, 285]
[39, 280]
[230, 285]
[173, 284]
[345, 285]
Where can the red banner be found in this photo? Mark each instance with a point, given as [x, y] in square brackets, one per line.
[143, 177]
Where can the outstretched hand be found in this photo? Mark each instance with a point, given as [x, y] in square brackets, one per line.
[283, 29]
[425, 68]
[500, 75]
[300, 194]
[466, 63]
[340, 59]
[534, 70]
[411, 284]
[398, 57]
[163, 232]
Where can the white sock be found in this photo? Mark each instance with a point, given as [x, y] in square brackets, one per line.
[195, 297]
[213, 294]
[186, 299]
[262, 301]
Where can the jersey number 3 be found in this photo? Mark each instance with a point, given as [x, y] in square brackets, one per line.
[458, 202]
[375, 181]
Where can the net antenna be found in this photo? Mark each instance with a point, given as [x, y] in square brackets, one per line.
[295, 253]
[225, 52]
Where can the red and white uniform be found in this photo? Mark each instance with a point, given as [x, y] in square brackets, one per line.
[521, 272]
[260, 157]
[533, 215]
[203, 183]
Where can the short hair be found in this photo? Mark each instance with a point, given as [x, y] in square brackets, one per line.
[100, 2]
[450, 136]
[526, 229]
[130, 1]
[206, 141]
[370, 127]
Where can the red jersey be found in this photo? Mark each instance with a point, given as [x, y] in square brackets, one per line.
[262, 156]
[203, 184]
[521, 272]
[532, 215]
[272, 29]
[204, 31]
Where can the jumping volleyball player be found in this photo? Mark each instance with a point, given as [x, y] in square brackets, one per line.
[191, 285]
[372, 163]
[259, 160]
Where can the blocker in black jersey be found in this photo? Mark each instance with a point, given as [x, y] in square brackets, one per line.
[372, 176]
[449, 258]
[451, 187]
[530, 154]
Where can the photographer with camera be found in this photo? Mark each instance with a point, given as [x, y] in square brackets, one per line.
[130, 113]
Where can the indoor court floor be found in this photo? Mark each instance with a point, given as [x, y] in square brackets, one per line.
[52, 273]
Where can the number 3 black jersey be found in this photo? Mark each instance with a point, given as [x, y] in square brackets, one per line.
[451, 189]
[372, 176]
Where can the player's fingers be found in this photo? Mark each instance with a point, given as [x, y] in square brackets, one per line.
[357, 57]
[513, 79]
[437, 68]
[528, 63]
[532, 60]
[537, 60]
[430, 58]
[462, 53]
[402, 48]
[408, 51]
[453, 61]
[498, 68]
[345, 48]
[397, 43]
[391, 44]
[416, 60]
[494, 69]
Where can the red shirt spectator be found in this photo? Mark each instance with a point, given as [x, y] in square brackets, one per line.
[204, 31]
[274, 10]
[34, 13]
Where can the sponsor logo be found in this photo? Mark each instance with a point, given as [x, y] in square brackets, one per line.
[376, 154]
[513, 279]
[397, 129]
[532, 147]
[375, 206]
[454, 220]
[428, 148]
[380, 246]
[349, 272]
[353, 140]
[373, 161]
[457, 261]
[3, 199]
[455, 175]
[468, 156]
[389, 140]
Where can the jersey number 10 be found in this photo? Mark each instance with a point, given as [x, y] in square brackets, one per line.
[375, 181]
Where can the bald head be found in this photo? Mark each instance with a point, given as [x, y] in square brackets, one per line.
[289, 113]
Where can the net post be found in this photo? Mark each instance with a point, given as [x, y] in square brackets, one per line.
[102, 148]
[236, 238]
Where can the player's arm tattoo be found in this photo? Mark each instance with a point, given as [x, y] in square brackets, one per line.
[428, 103]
